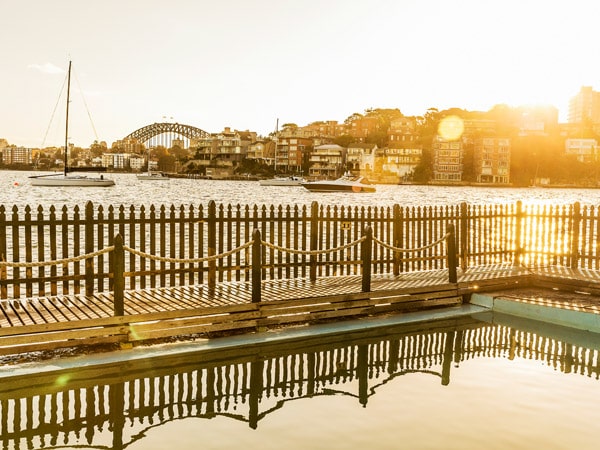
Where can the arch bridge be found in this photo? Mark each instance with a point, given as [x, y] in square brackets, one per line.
[165, 133]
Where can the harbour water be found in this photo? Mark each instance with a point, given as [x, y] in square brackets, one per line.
[492, 399]
[15, 189]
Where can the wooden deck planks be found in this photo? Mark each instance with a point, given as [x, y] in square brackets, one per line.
[61, 308]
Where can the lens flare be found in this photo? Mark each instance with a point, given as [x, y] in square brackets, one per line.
[451, 128]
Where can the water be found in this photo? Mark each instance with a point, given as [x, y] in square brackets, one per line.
[468, 385]
[529, 396]
[16, 190]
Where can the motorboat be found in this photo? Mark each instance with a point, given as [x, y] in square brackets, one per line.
[347, 183]
[152, 176]
[65, 178]
[283, 181]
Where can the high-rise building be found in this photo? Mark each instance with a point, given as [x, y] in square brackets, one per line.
[585, 106]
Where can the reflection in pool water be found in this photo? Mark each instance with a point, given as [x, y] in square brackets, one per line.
[462, 383]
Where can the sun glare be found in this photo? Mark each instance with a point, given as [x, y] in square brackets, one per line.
[451, 128]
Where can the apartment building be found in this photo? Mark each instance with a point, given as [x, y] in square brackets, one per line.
[327, 161]
[361, 127]
[226, 147]
[585, 106]
[16, 155]
[360, 158]
[290, 153]
[492, 160]
[401, 161]
[448, 158]
[402, 132]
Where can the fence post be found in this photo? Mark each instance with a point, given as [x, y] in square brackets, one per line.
[119, 275]
[451, 249]
[518, 226]
[575, 235]
[256, 266]
[89, 248]
[366, 248]
[314, 239]
[398, 237]
[464, 235]
[212, 244]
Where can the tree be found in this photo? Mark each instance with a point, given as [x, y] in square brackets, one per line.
[343, 140]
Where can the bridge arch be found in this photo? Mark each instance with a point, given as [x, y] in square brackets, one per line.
[164, 133]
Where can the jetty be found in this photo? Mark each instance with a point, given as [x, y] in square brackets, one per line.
[74, 277]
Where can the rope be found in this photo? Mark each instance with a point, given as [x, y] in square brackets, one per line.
[57, 262]
[216, 257]
[312, 252]
[408, 250]
[189, 260]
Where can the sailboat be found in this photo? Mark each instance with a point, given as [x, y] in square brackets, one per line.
[65, 178]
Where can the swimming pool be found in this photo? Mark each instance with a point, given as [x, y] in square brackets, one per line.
[485, 380]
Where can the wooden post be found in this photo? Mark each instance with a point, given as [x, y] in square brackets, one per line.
[89, 248]
[451, 249]
[119, 275]
[314, 239]
[256, 266]
[398, 237]
[576, 219]
[367, 246]
[464, 235]
[212, 243]
[518, 233]
[447, 361]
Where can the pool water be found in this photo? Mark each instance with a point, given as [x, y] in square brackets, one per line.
[452, 384]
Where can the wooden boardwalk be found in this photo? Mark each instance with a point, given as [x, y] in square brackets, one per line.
[65, 308]
[53, 322]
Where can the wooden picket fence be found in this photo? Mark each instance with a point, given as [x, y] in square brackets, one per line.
[65, 251]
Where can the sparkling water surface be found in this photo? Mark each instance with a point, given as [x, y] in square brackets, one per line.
[15, 189]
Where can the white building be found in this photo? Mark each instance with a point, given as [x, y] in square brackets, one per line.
[586, 150]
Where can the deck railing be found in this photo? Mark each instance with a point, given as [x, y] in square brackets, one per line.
[173, 246]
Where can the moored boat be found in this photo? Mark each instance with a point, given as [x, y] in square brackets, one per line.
[65, 178]
[346, 183]
[152, 176]
[283, 181]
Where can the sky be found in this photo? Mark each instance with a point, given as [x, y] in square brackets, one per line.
[250, 64]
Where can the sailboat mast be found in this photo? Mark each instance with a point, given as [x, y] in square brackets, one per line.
[276, 142]
[67, 118]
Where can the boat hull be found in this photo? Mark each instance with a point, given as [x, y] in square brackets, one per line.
[347, 183]
[78, 181]
[152, 176]
[289, 181]
[323, 187]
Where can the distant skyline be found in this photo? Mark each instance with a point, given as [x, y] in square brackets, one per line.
[244, 64]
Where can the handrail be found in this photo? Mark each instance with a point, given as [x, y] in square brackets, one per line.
[119, 249]
[188, 260]
[57, 262]
[313, 252]
[219, 256]
[409, 250]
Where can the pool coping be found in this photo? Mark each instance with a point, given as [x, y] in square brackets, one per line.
[561, 315]
[286, 334]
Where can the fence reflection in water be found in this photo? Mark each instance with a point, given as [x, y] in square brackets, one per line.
[114, 406]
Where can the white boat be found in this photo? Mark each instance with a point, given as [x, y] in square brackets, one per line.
[283, 181]
[152, 176]
[70, 180]
[347, 183]
[65, 178]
